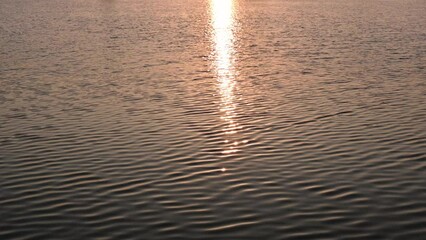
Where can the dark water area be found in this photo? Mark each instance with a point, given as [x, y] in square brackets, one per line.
[212, 119]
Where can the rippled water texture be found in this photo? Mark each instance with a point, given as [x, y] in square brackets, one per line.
[212, 119]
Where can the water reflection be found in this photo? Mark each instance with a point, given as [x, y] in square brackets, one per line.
[223, 30]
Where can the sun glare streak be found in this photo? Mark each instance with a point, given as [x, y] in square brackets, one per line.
[223, 30]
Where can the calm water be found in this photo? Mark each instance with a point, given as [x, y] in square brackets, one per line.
[212, 119]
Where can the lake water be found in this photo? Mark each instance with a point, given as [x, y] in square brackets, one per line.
[212, 119]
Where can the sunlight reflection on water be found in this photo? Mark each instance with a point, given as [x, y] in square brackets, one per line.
[223, 28]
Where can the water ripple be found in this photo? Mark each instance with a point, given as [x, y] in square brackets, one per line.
[212, 119]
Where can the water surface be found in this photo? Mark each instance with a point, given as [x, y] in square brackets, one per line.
[212, 119]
